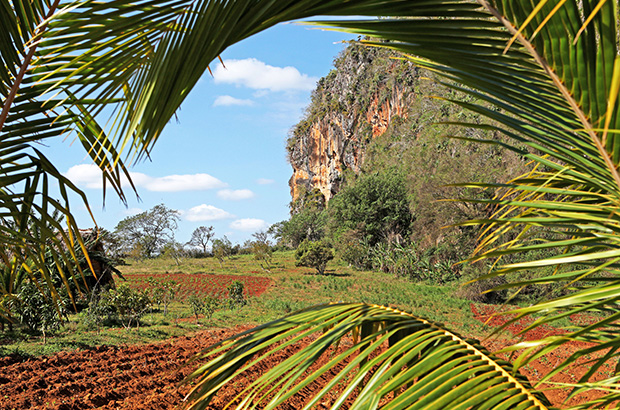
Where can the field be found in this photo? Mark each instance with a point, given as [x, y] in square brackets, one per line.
[115, 368]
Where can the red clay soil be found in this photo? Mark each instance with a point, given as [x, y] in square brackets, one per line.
[537, 369]
[148, 376]
[105, 377]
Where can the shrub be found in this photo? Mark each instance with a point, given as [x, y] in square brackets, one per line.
[163, 292]
[130, 304]
[236, 298]
[101, 310]
[37, 311]
[314, 255]
[197, 305]
[352, 250]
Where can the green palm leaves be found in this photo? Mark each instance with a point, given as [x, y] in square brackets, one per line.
[554, 92]
[549, 74]
[370, 357]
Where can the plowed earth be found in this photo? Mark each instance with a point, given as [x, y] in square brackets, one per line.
[148, 376]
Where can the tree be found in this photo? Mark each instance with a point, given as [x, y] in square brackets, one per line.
[173, 250]
[375, 205]
[261, 248]
[222, 249]
[149, 230]
[551, 69]
[201, 237]
[314, 254]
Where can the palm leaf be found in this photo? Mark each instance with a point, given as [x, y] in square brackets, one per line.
[556, 88]
[372, 356]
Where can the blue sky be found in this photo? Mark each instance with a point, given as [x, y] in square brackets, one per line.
[223, 163]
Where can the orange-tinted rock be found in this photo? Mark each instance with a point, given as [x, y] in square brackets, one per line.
[347, 111]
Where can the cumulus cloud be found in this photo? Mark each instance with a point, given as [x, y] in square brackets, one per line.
[132, 211]
[235, 195]
[257, 75]
[227, 100]
[205, 213]
[264, 181]
[190, 182]
[85, 175]
[89, 176]
[248, 224]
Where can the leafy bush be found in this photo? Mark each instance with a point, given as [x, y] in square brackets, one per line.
[236, 298]
[37, 311]
[163, 292]
[314, 255]
[351, 249]
[130, 304]
[197, 305]
[101, 310]
[376, 205]
[206, 305]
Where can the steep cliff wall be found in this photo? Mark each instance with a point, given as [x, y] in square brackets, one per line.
[355, 103]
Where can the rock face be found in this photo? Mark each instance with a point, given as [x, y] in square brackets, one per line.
[356, 102]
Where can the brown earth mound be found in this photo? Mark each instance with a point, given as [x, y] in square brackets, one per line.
[537, 369]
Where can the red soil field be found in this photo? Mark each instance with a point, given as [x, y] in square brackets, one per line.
[148, 376]
[203, 283]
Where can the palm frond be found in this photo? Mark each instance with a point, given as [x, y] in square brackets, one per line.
[369, 356]
[554, 92]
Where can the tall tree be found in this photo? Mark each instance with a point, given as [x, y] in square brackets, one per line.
[149, 230]
[201, 237]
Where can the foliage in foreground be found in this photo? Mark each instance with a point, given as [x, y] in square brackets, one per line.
[551, 73]
[449, 371]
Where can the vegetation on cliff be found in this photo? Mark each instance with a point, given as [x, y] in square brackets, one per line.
[376, 114]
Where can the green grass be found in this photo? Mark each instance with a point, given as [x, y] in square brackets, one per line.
[292, 288]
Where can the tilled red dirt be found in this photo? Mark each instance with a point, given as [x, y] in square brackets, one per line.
[543, 366]
[105, 377]
[148, 376]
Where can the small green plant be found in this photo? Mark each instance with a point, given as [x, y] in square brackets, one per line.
[101, 310]
[37, 311]
[314, 255]
[197, 305]
[236, 298]
[163, 292]
[130, 304]
[211, 304]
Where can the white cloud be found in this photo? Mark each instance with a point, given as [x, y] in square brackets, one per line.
[190, 182]
[257, 75]
[235, 195]
[264, 181]
[227, 100]
[89, 176]
[248, 224]
[205, 213]
[132, 211]
[85, 175]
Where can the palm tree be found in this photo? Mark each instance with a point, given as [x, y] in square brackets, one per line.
[551, 70]
[550, 67]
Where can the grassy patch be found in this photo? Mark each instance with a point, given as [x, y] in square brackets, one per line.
[291, 288]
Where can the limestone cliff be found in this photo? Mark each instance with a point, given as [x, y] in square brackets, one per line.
[355, 103]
